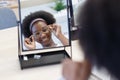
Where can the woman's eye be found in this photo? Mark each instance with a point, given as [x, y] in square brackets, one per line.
[44, 30]
[37, 33]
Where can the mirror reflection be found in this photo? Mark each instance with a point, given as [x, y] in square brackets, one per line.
[44, 24]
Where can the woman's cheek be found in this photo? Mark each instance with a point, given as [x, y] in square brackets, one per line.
[48, 33]
[38, 39]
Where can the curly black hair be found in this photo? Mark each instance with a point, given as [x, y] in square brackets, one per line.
[99, 33]
[48, 17]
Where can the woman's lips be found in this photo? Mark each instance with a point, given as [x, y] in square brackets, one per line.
[44, 39]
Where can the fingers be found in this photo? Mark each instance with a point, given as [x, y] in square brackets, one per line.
[27, 41]
[66, 68]
[32, 38]
[54, 27]
[30, 43]
[71, 70]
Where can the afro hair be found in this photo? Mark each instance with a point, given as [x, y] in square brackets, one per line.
[48, 17]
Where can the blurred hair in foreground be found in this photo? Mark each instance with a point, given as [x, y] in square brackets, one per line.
[99, 33]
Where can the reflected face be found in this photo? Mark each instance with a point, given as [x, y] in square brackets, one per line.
[41, 33]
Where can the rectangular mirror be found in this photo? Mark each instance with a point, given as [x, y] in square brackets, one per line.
[44, 32]
[44, 24]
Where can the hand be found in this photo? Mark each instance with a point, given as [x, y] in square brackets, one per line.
[76, 70]
[71, 70]
[30, 43]
[56, 29]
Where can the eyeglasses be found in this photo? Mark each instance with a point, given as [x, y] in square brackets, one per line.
[38, 33]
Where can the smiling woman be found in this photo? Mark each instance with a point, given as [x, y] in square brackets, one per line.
[39, 27]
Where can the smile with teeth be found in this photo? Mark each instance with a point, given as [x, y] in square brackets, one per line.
[43, 39]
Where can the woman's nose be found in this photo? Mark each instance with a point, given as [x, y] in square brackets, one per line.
[42, 35]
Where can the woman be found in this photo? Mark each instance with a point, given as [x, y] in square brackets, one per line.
[38, 26]
[99, 36]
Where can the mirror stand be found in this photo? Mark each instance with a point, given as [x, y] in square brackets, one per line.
[41, 59]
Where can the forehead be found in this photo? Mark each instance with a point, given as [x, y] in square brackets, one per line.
[38, 26]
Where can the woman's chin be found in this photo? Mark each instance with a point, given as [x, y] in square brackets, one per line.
[45, 43]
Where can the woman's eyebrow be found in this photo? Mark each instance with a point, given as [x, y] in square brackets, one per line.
[44, 27]
[36, 31]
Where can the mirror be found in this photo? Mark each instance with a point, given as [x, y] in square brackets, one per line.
[44, 24]
[44, 32]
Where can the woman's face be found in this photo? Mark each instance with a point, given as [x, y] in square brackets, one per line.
[41, 33]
